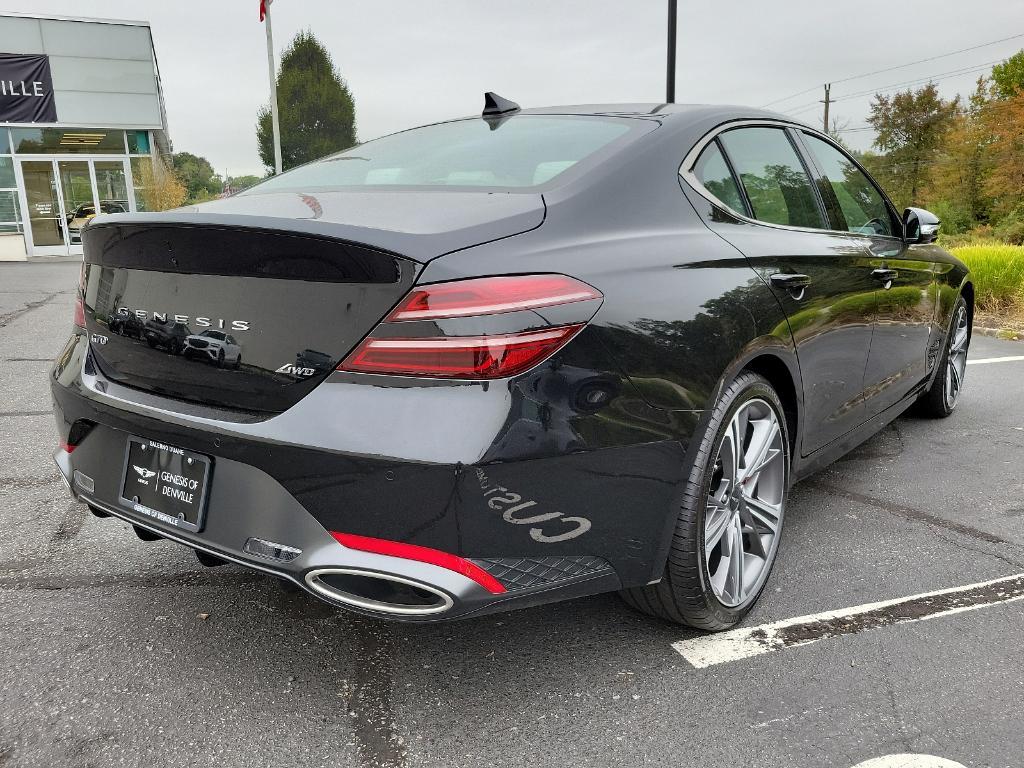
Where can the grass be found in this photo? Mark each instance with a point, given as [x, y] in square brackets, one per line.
[998, 274]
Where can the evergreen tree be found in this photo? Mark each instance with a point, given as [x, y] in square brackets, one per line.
[315, 108]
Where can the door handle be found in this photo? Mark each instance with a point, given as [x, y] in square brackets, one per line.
[885, 275]
[790, 282]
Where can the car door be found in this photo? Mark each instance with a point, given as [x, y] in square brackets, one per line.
[906, 298]
[821, 278]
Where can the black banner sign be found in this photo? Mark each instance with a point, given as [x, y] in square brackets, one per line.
[26, 89]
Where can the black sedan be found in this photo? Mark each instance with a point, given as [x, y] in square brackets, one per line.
[572, 350]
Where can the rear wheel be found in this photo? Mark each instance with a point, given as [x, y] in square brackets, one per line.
[220, 359]
[730, 520]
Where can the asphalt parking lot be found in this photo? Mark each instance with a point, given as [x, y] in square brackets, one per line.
[117, 652]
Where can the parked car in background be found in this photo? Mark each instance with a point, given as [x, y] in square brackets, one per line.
[214, 347]
[126, 324]
[85, 213]
[573, 350]
[166, 334]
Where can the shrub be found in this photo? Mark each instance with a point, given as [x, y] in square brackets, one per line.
[998, 274]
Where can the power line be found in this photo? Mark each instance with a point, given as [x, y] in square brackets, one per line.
[898, 66]
[930, 79]
[930, 58]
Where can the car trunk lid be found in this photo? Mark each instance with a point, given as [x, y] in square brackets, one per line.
[231, 316]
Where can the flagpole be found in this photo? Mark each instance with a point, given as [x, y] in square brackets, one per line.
[273, 93]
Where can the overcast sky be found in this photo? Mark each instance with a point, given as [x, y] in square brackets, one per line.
[409, 62]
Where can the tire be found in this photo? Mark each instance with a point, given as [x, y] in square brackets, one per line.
[152, 344]
[941, 398]
[690, 591]
[220, 359]
[238, 361]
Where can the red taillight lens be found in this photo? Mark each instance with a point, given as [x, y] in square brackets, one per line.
[79, 311]
[490, 296]
[423, 555]
[472, 355]
[68, 447]
[459, 357]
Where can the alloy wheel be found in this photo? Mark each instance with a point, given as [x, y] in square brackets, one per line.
[956, 360]
[745, 504]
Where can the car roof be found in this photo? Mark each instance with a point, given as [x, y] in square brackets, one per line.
[666, 112]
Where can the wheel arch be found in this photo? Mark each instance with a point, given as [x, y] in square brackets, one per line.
[779, 375]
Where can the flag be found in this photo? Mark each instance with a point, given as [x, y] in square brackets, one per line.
[264, 7]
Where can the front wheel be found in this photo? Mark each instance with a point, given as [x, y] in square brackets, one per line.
[730, 520]
[939, 400]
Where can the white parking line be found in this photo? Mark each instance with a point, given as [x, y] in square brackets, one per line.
[909, 761]
[736, 644]
[984, 360]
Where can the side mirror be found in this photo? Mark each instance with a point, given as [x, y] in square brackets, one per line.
[920, 226]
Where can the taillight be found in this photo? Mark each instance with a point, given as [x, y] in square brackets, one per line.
[395, 350]
[79, 299]
[79, 311]
[463, 357]
[490, 296]
[423, 555]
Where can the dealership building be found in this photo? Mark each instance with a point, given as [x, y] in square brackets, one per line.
[81, 115]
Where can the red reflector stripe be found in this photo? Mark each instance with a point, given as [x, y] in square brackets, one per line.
[459, 357]
[422, 555]
[491, 295]
[68, 447]
[79, 312]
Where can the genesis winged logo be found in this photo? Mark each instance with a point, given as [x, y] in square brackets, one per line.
[144, 473]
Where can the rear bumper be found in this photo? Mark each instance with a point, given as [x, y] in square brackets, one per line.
[438, 467]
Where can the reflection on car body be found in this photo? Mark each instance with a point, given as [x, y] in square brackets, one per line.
[214, 347]
[166, 334]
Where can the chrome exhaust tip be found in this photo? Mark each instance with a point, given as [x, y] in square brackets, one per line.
[379, 592]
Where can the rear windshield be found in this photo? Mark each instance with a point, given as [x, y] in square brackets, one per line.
[523, 151]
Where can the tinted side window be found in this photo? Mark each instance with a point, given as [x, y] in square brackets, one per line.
[714, 174]
[773, 176]
[862, 207]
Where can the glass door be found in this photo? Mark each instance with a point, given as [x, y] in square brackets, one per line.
[45, 214]
[78, 198]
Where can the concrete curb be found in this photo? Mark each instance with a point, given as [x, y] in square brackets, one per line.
[1000, 333]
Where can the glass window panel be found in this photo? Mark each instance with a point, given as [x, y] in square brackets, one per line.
[138, 142]
[5, 143]
[139, 176]
[713, 172]
[80, 141]
[862, 207]
[10, 215]
[773, 176]
[7, 172]
[111, 187]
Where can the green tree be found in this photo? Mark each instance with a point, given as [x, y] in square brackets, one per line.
[196, 173]
[238, 183]
[956, 188]
[315, 107]
[1008, 77]
[910, 127]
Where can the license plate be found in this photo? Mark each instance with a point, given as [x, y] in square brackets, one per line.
[165, 483]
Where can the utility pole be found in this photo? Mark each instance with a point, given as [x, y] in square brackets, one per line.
[670, 74]
[826, 102]
[265, 17]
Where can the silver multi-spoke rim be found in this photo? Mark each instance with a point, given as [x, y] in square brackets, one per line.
[956, 362]
[746, 499]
